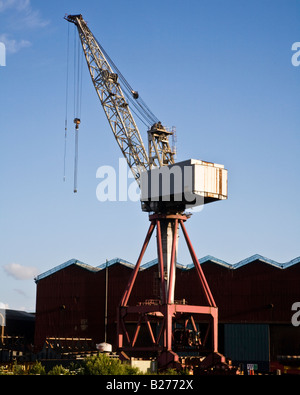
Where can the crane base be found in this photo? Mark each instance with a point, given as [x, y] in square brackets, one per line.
[161, 316]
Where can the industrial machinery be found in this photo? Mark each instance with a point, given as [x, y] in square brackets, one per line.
[168, 189]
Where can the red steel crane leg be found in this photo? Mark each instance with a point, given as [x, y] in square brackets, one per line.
[166, 310]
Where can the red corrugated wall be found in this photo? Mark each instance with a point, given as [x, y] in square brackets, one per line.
[71, 302]
[256, 292]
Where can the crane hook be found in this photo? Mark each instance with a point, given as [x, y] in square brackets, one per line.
[77, 123]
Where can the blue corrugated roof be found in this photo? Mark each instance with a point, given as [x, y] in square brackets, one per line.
[63, 266]
[207, 258]
[291, 262]
[263, 259]
[113, 261]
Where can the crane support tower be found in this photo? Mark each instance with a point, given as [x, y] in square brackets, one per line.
[168, 190]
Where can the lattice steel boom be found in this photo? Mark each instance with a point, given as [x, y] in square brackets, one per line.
[114, 103]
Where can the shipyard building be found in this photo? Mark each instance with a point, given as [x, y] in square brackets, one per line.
[257, 299]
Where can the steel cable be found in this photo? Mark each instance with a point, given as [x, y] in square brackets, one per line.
[138, 102]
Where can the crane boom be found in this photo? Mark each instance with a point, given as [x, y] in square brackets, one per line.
[117, 109]
[113, 100]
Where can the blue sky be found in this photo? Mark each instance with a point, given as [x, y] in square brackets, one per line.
[220, 71]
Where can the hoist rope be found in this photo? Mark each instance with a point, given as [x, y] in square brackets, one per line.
[67, 99]
[138, 103]
[78, 61]
[78, 58]
[76, 160]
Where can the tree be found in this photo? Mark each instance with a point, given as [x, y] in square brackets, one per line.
[37, 369]
[102, 364]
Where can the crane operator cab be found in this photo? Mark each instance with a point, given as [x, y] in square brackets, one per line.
[183, 185]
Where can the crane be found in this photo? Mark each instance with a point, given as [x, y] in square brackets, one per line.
[190, 183]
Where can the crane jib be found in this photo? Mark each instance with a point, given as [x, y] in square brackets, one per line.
[105, 77]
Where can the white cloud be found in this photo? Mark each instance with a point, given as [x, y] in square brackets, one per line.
[19, 5]
[20, 17]
[13, 45]
[21, 292]
[5, 4]
[20, 272]
[32, 19]
[27, 16]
